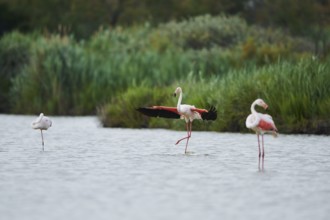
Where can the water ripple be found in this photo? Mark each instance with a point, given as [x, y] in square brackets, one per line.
[89, 172]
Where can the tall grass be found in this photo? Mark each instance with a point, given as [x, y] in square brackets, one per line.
[219, 61]
[14, 55]
[296, 94]
[59, 79]
[298, 97]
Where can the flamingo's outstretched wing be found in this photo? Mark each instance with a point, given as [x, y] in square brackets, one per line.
[210, 114]
[160, 111]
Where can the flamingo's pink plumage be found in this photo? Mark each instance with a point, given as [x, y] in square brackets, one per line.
[261, 123]
[187, 112]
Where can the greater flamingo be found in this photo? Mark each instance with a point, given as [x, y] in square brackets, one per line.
[260, 123]
[42, 123]
[187, 112]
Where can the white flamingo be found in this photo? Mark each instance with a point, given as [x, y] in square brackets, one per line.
[42, 123]
[260, 123]
[181, 111]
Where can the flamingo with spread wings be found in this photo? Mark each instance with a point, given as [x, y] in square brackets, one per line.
[182, 111]
[260, 123]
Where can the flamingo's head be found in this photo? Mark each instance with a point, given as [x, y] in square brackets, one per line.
[177, 91]
[261, 103]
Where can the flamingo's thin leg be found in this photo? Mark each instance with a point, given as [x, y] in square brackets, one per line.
[189, 135]
[263, 149]
[187, 126]
[258, 144]
[42, 138]
[190, 129]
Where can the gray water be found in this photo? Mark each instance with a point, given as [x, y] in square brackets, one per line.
[90, 172]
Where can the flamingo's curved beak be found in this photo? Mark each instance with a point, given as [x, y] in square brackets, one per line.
[174, 94]
[265, 106]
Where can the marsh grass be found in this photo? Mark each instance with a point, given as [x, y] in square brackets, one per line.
[59, 79]
[14, 56]
[298, 96]
[219, 61]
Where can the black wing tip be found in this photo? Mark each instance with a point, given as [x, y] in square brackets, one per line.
[154, 112]
[211, 114]
[140, 109]
[147, 111]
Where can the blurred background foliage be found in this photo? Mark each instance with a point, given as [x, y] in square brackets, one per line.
[107, 57]
[83, 17]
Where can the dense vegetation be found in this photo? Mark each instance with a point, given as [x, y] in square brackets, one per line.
[298, 95]
[219, 61]
[84, 17]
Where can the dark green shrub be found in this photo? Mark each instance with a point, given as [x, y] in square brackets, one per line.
[14, 56]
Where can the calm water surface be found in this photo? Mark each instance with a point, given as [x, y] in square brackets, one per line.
[90, 172]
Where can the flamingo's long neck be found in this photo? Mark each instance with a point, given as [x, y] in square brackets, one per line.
[253, 111]
[179, 100]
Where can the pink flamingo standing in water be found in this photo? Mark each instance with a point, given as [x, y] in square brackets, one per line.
[42, 123]
[260, 123]
[181, 111]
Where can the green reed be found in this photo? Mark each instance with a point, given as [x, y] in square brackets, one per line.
[218, 61]
[298, 96]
